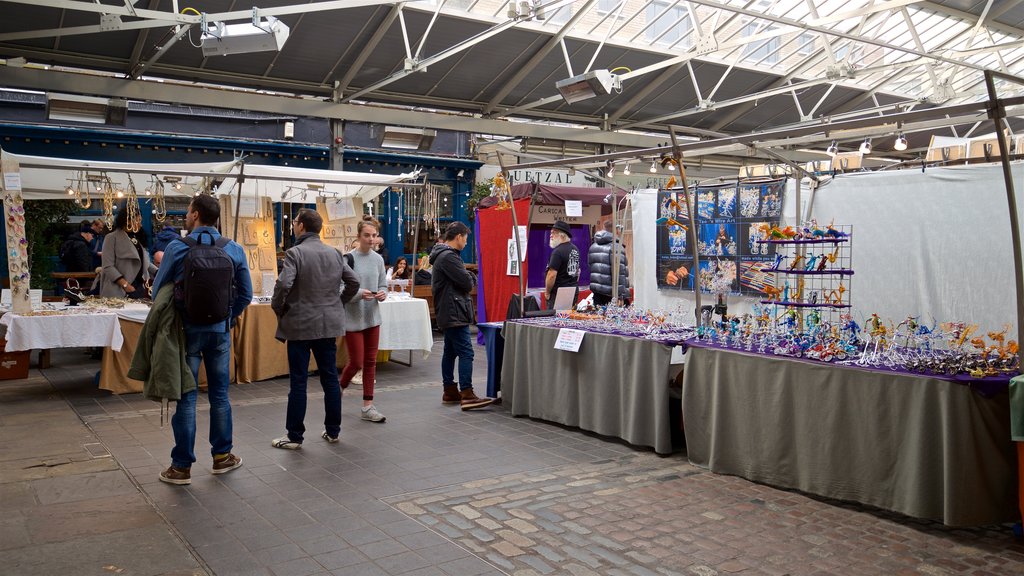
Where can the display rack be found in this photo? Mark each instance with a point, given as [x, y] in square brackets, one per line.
[813, 274]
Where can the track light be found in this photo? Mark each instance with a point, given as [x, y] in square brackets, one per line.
[611, 170]
[654, 167]
[865, 146]
[901, 143]
[70, 191]
[626, 169]
[832, 149]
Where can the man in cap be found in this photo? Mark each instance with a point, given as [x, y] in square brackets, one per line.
[564, 265]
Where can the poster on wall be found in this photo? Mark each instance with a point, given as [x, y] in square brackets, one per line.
[729, 220]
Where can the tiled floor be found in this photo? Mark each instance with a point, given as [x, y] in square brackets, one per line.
[432, 491]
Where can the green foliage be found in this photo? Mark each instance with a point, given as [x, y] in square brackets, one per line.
[480, 191]
[45, 233]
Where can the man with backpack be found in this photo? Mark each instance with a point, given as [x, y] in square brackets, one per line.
[211, 289]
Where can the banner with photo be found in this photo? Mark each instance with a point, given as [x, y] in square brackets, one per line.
[729, 220]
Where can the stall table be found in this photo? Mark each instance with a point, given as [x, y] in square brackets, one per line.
[615, 385]
[925, 447]
[405, 325]
[71, 330]
[494, 346]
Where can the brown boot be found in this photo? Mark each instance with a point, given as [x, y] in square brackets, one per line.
[471, 401]
[451, 395]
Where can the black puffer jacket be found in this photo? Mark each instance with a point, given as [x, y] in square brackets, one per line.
[600, 262]
[451, 284]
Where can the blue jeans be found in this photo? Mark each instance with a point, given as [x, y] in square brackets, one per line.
[457, 343]
[325, 351]
[215, 349]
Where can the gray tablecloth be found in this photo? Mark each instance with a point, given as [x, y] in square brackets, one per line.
[614, 385]
[923, 447]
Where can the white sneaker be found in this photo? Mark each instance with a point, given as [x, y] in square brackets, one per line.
[370, 413]
[286, 443]
[358, 378]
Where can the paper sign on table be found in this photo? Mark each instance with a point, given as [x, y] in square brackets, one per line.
[573, 208]
[569, 340]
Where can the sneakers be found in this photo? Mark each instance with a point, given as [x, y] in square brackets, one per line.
[451, 395]
[178, 476]
[330, 439]
[471, 401]
[370, 413]
[224, 463]
[286, 443]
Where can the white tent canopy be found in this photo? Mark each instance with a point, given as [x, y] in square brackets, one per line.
[48, 178]
[289, 184]
[45, 178]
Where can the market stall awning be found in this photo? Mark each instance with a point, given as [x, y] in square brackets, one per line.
[45, 178]
[290, 184]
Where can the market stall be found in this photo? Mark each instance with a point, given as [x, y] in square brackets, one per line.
[537, 207]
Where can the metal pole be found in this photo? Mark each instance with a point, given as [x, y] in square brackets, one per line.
[238, 200]
[615, 250]
[515, 234]
[677, 155]
[997, 113]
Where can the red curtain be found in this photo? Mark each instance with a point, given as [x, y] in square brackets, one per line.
[495, 232]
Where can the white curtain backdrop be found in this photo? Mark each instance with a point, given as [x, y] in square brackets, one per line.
[934, 244]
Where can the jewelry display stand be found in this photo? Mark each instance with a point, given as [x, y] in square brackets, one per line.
[256, 235]
[341, 215]
[813, 275]
[17, 244]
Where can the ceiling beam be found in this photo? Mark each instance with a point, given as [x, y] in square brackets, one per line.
[537, 58]
[190, 94]
[369, 47]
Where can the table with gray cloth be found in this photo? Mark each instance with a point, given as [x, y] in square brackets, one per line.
[925, 447]
[615, 385]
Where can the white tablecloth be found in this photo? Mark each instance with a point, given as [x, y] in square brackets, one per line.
[62, 331]
[405, 325]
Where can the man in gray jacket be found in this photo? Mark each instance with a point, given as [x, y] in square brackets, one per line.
[308, 298]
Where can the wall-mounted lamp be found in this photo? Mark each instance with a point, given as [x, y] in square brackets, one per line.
[865, 146]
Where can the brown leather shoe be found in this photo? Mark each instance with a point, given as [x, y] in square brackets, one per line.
[471, 401]
[451, 395]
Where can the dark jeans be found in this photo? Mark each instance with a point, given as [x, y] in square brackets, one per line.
[214, 349]
[325, 352]
[457, 343]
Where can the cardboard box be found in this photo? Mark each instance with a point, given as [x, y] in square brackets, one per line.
[13, 365]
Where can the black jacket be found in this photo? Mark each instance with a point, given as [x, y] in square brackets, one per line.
[451, 284]
[75, 254]
[600, 262]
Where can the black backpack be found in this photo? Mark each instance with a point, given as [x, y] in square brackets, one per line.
[207, 288]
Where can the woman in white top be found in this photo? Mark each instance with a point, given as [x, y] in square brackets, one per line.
[362, 315]
[401, 270]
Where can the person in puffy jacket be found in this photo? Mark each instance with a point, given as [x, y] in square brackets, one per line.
[451, 284]
[599, 260]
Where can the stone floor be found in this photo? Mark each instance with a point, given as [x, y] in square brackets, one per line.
[433, 491]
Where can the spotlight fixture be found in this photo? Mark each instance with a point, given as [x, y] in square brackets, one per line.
[865, 146]
[588, 85]
[901, 143]
[832, 149]
[70, 191]
[626, 169]
[175, 180]
[120, 194]
[611, 170]
[654, 167]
